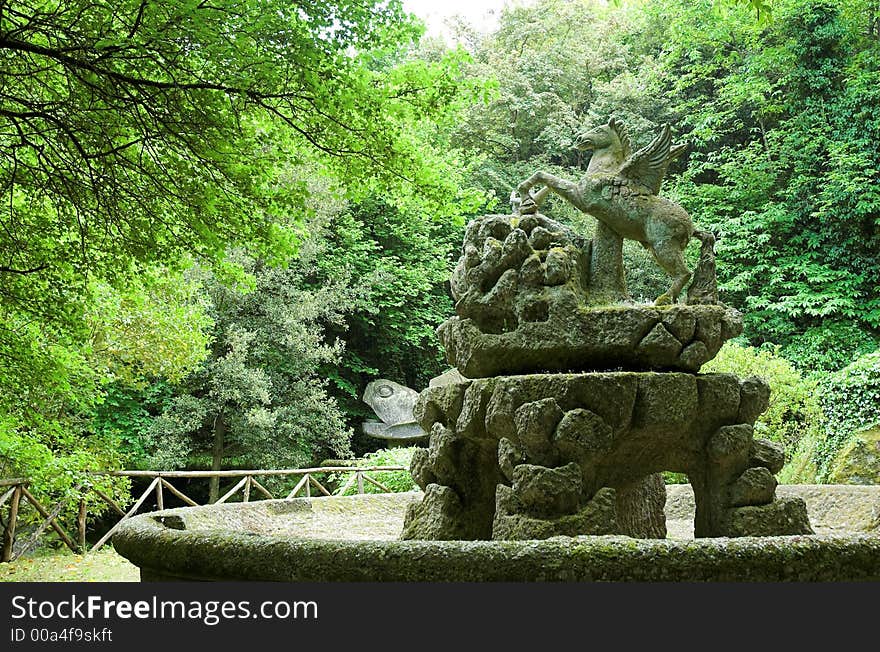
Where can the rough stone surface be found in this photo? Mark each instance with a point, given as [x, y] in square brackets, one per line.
[353, 538]
[768, 454]
[756, 486]
[447, 378]
[439, 518]
[704, 286]
[586, 338]
[833, 509]
[659, 348]
[782, 516]
[730, 443]
[560, 438]
[754, 399]
[524, 304]
[545, 492]
[526, 455]
[509, 456]
[513, 521]
[858, 461]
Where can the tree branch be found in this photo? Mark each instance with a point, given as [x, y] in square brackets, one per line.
[32, 270]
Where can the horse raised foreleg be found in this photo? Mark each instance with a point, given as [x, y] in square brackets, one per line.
[565, 189]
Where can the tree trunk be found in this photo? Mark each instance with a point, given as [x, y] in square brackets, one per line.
[217, 457]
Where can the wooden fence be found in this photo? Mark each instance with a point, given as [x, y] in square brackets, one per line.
[16, 489]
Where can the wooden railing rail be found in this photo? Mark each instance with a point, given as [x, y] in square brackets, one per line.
[240, 473]
[16, 489]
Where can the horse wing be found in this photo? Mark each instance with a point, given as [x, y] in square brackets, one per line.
[675, 151]
[647, 166]
[623, 136]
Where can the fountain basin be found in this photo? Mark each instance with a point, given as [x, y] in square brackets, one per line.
[355, 538]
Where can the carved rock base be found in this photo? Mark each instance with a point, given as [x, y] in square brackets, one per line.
[567, 338]
[531, 296]
[536, 456]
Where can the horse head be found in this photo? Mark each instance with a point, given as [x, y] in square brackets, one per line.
[609, 143]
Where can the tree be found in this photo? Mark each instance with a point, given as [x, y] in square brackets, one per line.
[142, 135]
[779, 117]
[258, 399]
[401, 260]
[135, 132]
[784, 162]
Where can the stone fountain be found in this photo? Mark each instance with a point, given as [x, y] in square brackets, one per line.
[578, 397]
[547, 441]
[570, 410]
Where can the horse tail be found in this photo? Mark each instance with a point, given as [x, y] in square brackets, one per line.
[707, 238]
[704, 286]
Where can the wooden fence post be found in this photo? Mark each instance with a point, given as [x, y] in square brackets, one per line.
[299, 485]
[179, 494]
[81, 523]
[50, 521]
[9, 532]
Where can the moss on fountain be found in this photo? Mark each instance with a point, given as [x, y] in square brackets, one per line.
[326, 539]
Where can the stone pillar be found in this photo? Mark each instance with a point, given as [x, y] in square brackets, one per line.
[607, 279]
[639, 506]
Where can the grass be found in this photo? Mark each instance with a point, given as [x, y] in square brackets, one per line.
[63, 566]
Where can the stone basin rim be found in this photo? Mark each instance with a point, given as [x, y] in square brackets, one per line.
[165, 553]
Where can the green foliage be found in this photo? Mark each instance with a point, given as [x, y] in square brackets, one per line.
[140, 137]
[84, 414]
[99, 116]
[396, 481]
[783, 161]
[401, 261]
[141, 310]
[57, 461]
[829, 347]
[779, 116]
[126, 415]
[671, 477]
[156, 327]
[851, 401]
[258, 398]
[794, 411]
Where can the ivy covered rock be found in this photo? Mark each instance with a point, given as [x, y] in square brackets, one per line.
[858, 461]
[851, 402]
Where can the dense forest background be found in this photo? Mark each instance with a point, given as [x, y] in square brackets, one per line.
[220, 222]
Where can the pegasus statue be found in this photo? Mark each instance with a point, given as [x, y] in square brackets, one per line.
[620, 189]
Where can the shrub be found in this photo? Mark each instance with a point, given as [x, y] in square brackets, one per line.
[850, 399]
[794, 412]
[396, 481]
[829, 347]
[56, 460]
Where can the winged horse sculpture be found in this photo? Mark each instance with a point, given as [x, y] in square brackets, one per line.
[620, 189]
